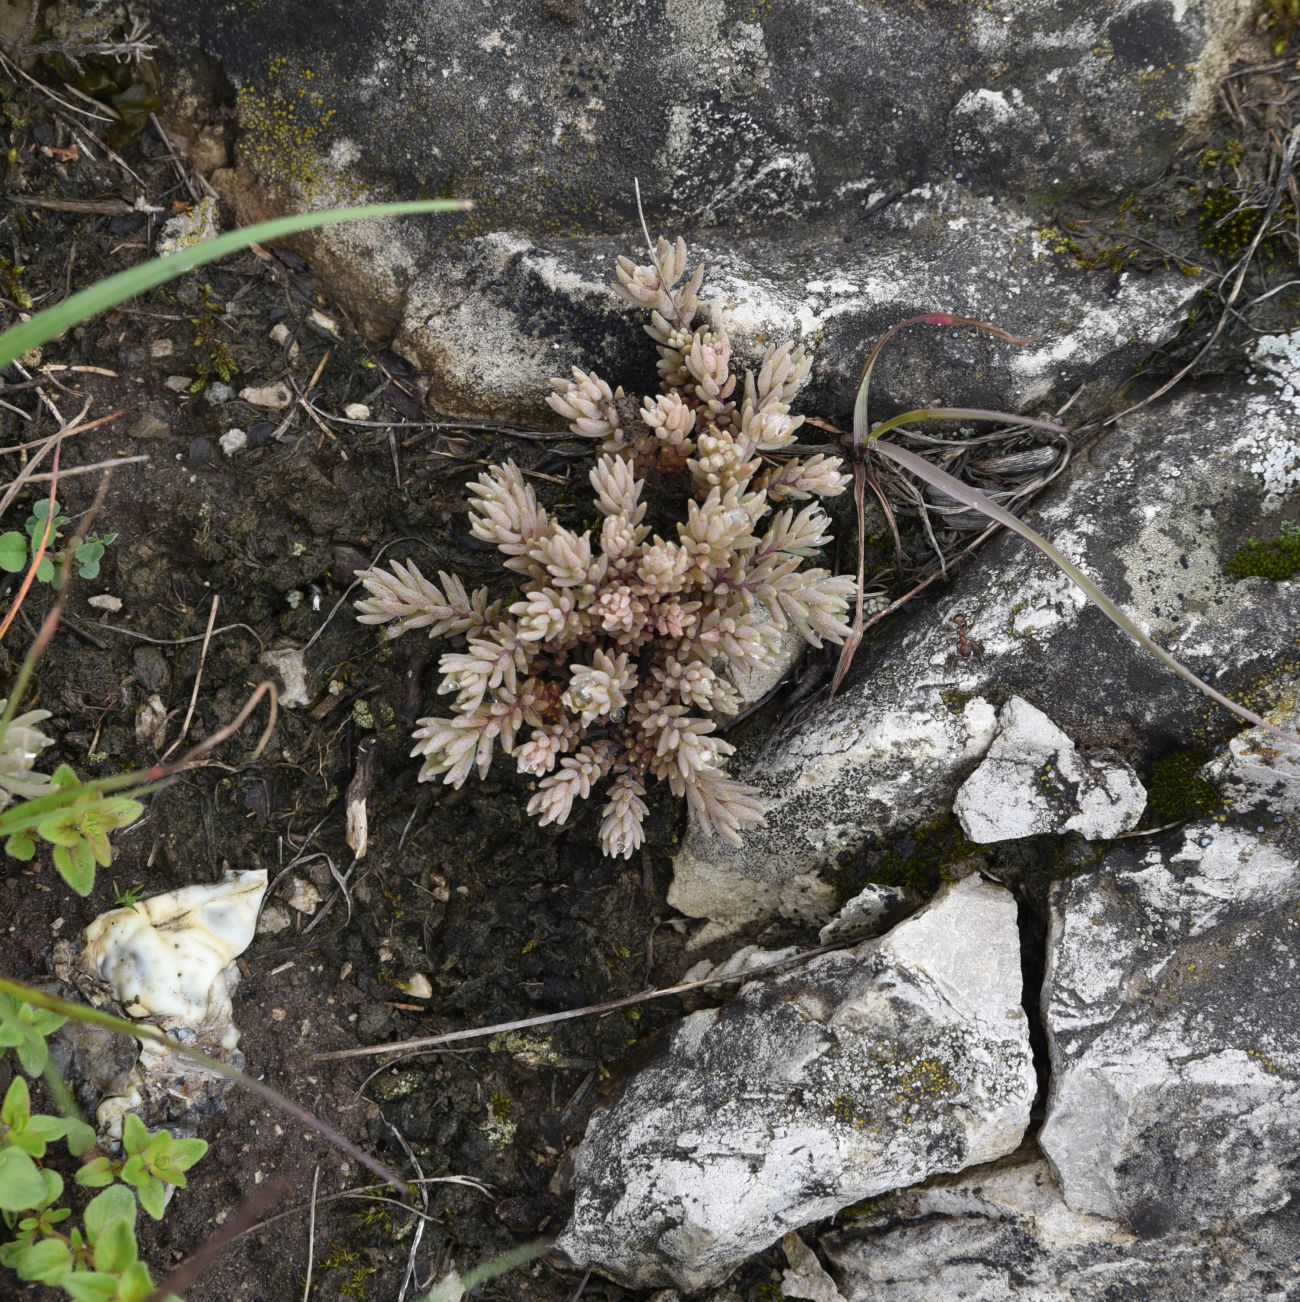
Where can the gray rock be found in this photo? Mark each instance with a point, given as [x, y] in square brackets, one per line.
[542, 114]
[1152, 512]
[863, 1071]
[743, 118]
[1004, 1232]
[1170, 1008]
[1034, 782]
[865, 914]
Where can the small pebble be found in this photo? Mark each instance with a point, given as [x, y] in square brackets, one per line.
[325, 324]
[179, 383]
[280, 334]
[274, 918]
[232, 441]
[275, 396]
[303, 896]
[218, 393]
[357, 411]
[161, 348]
[201, 451]
[105, 601]
[260, 435]
[417, 986]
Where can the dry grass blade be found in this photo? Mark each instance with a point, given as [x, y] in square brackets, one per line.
[973, 497]
[591, 1010]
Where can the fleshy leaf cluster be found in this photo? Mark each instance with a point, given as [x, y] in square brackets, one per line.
[617, 659]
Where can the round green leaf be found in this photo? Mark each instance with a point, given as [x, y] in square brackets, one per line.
[13, 551]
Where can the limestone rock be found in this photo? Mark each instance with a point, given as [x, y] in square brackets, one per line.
[1004, 1234]
[1152, 512]
[1170, 1008]
[865, 1070]
[1034, 782]
[980, 125]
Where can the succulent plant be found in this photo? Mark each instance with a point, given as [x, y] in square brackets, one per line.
[616, 659]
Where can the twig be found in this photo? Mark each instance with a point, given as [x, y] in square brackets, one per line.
[39, 555]
[592, 1010]
[72, 471]
[198, 677]
[311, 1235]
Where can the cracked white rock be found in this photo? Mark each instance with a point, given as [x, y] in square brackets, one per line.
[1170, 1008]
[865, 1070]
[1152, 514]
[1004, 1234]
[1033, 781]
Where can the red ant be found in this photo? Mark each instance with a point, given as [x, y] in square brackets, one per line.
[966, 647]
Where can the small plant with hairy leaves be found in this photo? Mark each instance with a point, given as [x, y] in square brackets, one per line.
[18, 550]
[74, 818]
[619, 654]
[97, 1261]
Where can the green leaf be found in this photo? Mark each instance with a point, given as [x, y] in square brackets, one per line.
[17, 1106]
[135, 1284]
[91, 1286]
[153, 1196]
[20, 846]
[45, 570]
[80, 1136]
[98, 298]
[76, 866]
[46, 1262]
[53, 1192]
[60, 828]
[96, 1174]
[135, 1138]
[89, 569]
[185, 1152]
[13, 551]
[21, 1184]
[91, 550]
[115, 1248]
[114, 1204]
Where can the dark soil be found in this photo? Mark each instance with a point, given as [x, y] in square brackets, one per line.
[506, 921]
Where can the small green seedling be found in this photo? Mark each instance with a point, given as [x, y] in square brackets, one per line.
[76, 826]
[24, 1028]
[127, 899]
[18, 549]
[98, 1261]
[152, 1163]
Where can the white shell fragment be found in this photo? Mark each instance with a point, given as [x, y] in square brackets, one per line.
[165, 957]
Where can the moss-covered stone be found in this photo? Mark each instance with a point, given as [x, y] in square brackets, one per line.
[1176, 790]
[1278, 559]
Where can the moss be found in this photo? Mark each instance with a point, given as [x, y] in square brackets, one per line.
[212, 355]
[920, 861]
[500, 1126]
[1277, 560]
[11, 279]
[356, 1273]
[1177, 791]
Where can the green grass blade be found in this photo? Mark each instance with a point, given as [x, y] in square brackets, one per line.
[962, 413]
[454, 1289]
[972, 497]
[108, 293]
